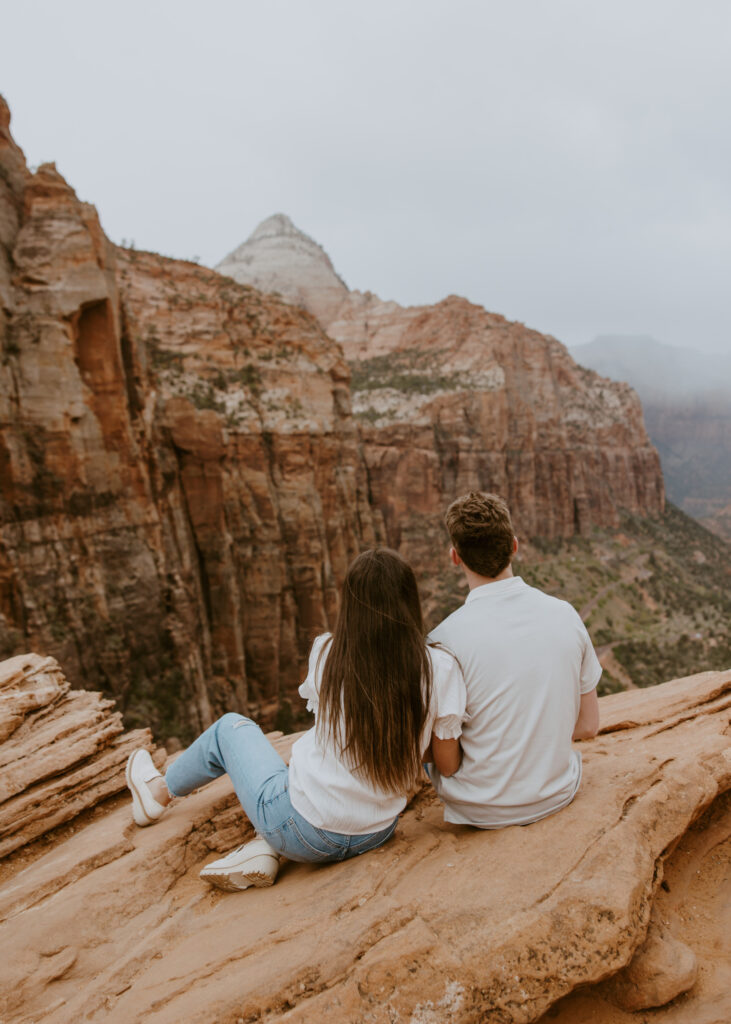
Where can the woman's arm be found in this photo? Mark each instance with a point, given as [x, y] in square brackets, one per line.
[446, 755]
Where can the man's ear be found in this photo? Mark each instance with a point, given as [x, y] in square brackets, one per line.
[454, 557]
[515, 545]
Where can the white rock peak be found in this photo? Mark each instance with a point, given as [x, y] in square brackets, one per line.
[278, 257]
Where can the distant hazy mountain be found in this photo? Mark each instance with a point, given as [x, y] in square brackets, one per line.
[686, 397]
[655, 369]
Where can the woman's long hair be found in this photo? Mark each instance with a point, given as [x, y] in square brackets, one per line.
[376, 684]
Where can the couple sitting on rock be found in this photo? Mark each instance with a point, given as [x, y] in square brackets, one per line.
[490, 702]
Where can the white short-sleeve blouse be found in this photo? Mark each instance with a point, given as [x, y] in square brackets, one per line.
[325, 791]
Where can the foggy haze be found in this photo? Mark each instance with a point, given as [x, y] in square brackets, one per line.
[565, 164]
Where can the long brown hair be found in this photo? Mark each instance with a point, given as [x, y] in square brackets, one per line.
[376, 683]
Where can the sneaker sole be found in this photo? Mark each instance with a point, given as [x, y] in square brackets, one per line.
[138, 810]
[237, 881]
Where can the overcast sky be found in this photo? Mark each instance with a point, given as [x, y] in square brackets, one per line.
[563, 162]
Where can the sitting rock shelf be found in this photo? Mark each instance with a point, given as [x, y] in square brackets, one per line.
[444, 923]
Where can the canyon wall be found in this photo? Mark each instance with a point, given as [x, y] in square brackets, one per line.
[181, 488]
[187, 465]
[693, 438]
[451, 397]
[686, 397]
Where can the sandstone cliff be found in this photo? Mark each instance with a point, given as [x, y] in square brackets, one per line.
[618, 899]
[182, 478]
[180, 484]
[450, 397]
[686, 396]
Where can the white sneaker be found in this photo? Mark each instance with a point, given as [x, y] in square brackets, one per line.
[139, 771]
[253, 863]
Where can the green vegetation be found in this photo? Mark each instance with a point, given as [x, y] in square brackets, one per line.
[407, 372]
[163, 358]
[249, 376]
[203, 396]
[656, 595]
[156, 697]
[369, 415]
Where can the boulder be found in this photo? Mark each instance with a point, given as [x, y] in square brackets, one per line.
[660, 970]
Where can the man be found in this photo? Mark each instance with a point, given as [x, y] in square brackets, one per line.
[531, 676]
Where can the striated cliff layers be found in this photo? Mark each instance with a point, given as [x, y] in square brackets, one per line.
[180, 484]
[463, 398]
[62, 751]
[450, 397]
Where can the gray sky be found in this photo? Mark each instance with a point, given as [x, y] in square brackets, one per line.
[563, 162]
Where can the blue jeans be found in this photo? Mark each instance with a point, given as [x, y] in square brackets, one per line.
[237, 746]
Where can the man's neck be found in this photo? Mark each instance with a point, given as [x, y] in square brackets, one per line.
[474, 581]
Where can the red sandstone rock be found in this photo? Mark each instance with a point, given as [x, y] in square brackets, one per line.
[451, 398]
[61, 752]
[112, 923]
[181, 488]
[660, 970]
[182, 482]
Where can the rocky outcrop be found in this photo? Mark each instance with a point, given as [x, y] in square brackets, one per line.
[62, 751]
[443, 923]
[661, 969]
[181, 488]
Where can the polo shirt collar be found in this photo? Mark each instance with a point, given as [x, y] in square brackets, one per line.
[499, 589]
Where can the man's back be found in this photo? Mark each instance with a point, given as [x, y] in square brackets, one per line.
[526, 658]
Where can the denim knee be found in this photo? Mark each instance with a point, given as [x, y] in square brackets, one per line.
[230, 719]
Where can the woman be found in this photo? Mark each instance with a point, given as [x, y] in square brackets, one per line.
[383, 702]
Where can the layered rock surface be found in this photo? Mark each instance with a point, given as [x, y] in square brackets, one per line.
[61, 750]
[444, 923]
[181, 488]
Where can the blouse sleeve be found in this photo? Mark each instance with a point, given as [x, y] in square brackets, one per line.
[451, 697]
[310, 689]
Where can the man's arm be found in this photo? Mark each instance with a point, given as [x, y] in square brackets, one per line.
[587, 724]
[445, 755]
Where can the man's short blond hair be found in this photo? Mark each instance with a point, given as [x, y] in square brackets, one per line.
[482, 532]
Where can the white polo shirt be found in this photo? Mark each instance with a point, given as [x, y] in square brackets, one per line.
[526, 658]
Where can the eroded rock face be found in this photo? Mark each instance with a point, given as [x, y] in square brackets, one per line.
[457, 399]
[443, 923]
[61, 751]
[451, 398]
[661, 969]
[180, 484]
